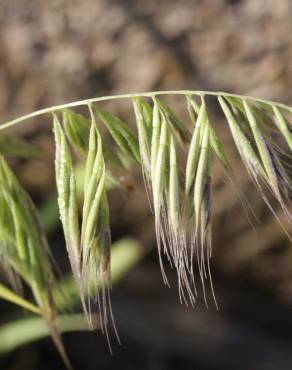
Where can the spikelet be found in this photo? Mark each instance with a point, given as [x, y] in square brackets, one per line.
[142, 113]
[202, 208]
[243, 145]
[121, 133]
[176, 230]
[260, 159]
[158, 152]
[283, 126]
[265, 153]
[215, 142]
[194, 149]
[95, 231]
[166, 192]
[159, 143]
[177, 128]
[24, 248]
[67, 198]
[23, 244]
[76, 128]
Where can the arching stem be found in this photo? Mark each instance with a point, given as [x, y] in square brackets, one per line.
[130, 96]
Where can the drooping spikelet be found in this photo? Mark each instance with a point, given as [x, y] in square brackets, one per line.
[88, 246]
[202, 207]
[24, 248]
[166, 196]
[23, 243]
[121, 133]
[67, 198]
[198, 188]
[159, 144]
[95, 231]
[283, 126]
[143, 114]
[76, 128]
[194, 148]
[260, 158]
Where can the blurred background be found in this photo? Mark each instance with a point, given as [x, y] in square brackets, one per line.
[52, 52]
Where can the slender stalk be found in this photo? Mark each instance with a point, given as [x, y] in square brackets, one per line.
[130, 96]
[10, 296]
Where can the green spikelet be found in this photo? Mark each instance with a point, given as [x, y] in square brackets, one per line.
[142, 112]
[121, 133]
[95, 231]
[25, 249]
[76, 128]
[23, 242]
[193, 153]
[67, 198]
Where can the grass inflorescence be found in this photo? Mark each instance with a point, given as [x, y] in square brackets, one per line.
[176, 161]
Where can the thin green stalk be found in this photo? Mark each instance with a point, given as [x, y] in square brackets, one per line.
[130, 96]
[10, 296]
